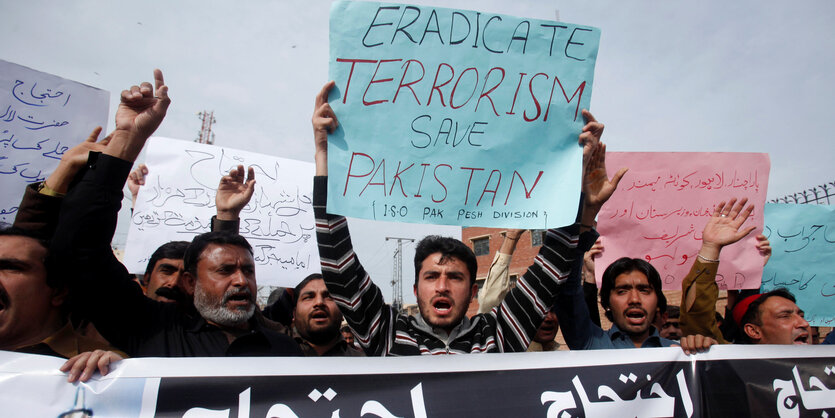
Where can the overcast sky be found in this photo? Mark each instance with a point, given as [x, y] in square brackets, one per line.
[746, 76]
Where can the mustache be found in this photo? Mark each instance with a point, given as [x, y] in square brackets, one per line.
[4, 298]
[322, 309]
[234, 293]
[634, 308]
[172, 293]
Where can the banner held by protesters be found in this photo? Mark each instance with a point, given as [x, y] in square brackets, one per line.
[728, 381]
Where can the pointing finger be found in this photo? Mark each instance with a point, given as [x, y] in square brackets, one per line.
[322, 97]
[159, 81]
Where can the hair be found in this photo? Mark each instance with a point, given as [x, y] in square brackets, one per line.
[275, 295]
[298, 289]
[627, 265]
[175, 250]
[200, 242]
[52, 280]
[673, 311]
[752, 315]
[449, 248]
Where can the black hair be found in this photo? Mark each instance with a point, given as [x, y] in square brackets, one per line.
[673, 311]
[753, 316]
[200, 242]
[175, 250]
[52, 280]
[449, 248]
[298, 289]
[626, 265]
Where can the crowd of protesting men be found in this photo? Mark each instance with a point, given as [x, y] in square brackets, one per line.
[64, 293]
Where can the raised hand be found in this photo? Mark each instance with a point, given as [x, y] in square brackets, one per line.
[723, 228]
[588, 260]
[141, 110]
[324, 123]
[764, 247]
[234, 192]
[591, 133]
[597, 187]
[136, 178]
[72, 161]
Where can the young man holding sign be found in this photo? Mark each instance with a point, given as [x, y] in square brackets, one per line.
[445, 272]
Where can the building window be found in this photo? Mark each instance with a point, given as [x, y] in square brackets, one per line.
[481, 246]
[537, 237]
[513, 279]
[480, 284]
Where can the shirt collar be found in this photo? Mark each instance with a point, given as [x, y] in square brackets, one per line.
[440, 334]
[653, 338]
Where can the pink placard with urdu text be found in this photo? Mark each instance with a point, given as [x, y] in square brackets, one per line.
[663, 203]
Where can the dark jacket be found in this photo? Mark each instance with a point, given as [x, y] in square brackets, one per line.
[114, 301]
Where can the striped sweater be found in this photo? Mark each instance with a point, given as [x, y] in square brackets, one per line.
[381, 331]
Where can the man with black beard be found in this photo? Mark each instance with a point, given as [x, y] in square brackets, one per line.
[163, 275]
[317, 320]
[218, 266]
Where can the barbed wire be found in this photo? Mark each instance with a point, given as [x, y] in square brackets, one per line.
[823, 194]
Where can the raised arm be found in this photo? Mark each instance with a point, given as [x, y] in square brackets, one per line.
[497, 283]
[561, 255]
[575, 319]
[597, 186]
[359, 299]
[233, 193]
[141, 109]
[81, 246]
[38, 211]
[700, 292]
[136, 179]
[589, 283]
[324, 123]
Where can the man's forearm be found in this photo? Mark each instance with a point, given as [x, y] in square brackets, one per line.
[38, 212]
[360, 301]
[536, 290]
[81, 247]
[496, 285]
[571, 309]
[698, 304]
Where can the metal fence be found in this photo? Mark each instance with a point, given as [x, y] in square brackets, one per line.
[823, 194]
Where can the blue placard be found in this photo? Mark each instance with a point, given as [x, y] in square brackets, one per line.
[456, 117]
[803, 257]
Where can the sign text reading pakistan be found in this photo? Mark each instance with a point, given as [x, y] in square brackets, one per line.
[408, 81]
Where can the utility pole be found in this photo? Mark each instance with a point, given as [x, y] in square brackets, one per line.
[205, 135]
[397, 274]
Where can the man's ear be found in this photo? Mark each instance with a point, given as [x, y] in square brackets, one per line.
[415, 289]
[59, 296]
[753, 331]
[473, 292]
[189, 281]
